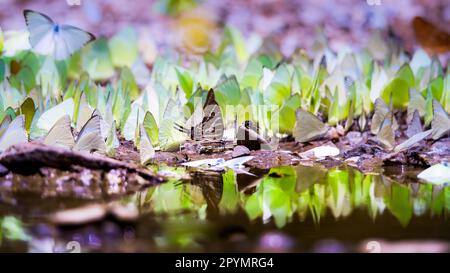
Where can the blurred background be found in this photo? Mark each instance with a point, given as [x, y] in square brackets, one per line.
[291, 24]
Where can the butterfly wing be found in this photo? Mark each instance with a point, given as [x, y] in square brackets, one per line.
[112, 142]
[193, 123]
[212, 125]
[61, 134]
[92, 125]
[51, 116]
[146, 151]
[69, 40]
[130, 129]
[40, 27]
[196, 118]
[437, 174]
[170, 138]
[235, 163]
[386, 135]
[415, 125]
[416, 102]
[90, 142]
[60, 43]
[172, 110]
[380, 112]
[84, 114]
[308, 127]
[90, 137]
[151, 127]
[14, 134]
[5, 124]
[413, 140]
[440, 122]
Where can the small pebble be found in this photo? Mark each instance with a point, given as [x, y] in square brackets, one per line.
[275, 241]
[240, 151]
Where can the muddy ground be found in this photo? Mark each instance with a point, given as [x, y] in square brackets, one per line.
[357, 150]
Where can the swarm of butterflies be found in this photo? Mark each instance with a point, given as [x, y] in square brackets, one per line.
[351, 90]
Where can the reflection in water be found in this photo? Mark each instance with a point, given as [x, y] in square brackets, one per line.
[301, 191]
[285, 209]
[11, 228]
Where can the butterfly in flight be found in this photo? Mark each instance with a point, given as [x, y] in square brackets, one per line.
[53, 39]
[210, 127]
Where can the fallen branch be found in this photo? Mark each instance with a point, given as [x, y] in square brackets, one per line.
[28, 157]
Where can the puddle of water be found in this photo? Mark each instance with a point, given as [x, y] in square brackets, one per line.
[300, 208]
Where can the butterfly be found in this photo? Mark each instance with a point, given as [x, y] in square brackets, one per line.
[5, 124]
[151, 127]
[112, 142]
[416, 103]
[351, 115]
[440, 124]
[14, 133]
[308, 127]
[382, 110]
[386, 134]
[146, 150]
[61, 133]
[430, 37]
[50, 38]
[207, 124]
[438, 174]
[415, 125]
[89, 139]
[413, 140]
[51, 116]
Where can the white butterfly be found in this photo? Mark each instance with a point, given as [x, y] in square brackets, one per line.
[89, 138]
[14, 134]
[50, 38]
